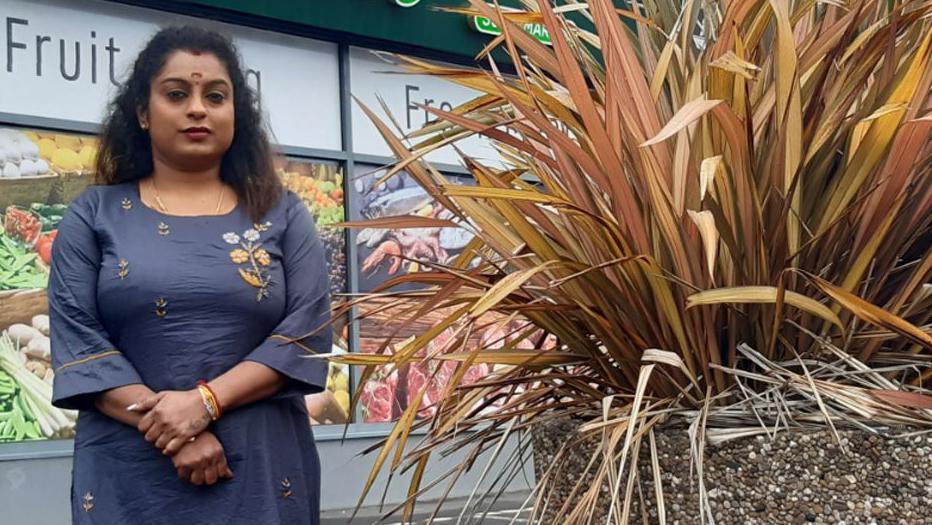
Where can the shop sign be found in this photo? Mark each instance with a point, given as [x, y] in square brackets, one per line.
[64, 60]
[487, 26]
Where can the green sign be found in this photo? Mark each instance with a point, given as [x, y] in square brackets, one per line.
[485, 25]
[405, 3]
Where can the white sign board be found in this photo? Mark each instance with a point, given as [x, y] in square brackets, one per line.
[373, 75]
[62, 59]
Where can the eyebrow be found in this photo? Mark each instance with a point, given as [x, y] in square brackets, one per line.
[185, 81]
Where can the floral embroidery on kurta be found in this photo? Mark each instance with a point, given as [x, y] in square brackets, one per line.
[164, 229]
[286, 489]
[255, 258]
[124, 269]
[127, 204]
[87, 502]
[160, 307]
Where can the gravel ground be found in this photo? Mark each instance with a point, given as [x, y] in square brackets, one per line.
[796, 478]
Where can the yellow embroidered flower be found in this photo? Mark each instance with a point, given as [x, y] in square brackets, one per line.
[262, 257]
[239, 256]
[252, 278]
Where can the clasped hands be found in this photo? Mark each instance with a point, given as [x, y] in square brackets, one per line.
[176, 423]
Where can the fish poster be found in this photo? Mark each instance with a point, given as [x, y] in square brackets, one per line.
[383, 253]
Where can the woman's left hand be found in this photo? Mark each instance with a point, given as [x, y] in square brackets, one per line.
[172, 418]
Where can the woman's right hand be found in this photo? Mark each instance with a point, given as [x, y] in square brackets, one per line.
[202, 461]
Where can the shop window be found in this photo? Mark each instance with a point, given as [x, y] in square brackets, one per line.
[391, 390]
[40, 172]
[320, 186]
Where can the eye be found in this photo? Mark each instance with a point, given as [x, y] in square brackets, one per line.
[216, 97]
[176, 94]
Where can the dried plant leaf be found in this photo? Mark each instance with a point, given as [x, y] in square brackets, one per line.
[729, 61]
[689, 113]
[708, 171]
[873, 314]
[762, 295]
[906, 399]
[709, 233]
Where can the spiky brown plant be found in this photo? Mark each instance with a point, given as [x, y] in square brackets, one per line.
[714, 206]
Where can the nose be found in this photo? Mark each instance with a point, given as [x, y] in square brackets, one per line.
[196, 109]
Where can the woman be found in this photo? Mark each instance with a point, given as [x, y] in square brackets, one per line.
[189, 263]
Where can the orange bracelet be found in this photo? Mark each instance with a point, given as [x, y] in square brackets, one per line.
[212, 397]
[208, 401]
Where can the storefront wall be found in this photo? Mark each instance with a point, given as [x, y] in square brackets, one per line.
[61, 62]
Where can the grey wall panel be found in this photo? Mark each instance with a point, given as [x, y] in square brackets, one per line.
[36, 491]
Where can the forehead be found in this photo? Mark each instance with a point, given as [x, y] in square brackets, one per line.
[200, 65]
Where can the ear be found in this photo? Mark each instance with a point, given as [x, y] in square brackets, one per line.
[142, 115]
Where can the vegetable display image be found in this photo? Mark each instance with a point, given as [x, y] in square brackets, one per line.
[34, 228]
[20, 267]
[40, 172]
[332, 406]
[320, 186]
[29, 153]
[20, 155]
[384, 253]
[26, 376]
[22, 225]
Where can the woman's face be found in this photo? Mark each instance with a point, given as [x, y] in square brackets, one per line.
[190, 116]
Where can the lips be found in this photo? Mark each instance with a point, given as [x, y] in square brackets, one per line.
[197, 133]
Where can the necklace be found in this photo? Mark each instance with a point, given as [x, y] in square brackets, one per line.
[161, 204]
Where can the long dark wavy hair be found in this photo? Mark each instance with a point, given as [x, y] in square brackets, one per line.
[125, 150]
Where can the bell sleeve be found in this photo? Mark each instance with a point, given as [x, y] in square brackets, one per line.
[301, 332]
[86, 363]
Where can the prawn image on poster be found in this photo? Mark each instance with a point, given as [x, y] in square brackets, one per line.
[384, 253]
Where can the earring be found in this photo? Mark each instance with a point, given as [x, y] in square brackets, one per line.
[144, 125]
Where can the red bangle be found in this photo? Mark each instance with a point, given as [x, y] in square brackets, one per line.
[214, 395]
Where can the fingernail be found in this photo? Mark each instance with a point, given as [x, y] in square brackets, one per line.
[132, 407]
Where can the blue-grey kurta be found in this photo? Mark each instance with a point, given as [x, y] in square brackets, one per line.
[137, 296]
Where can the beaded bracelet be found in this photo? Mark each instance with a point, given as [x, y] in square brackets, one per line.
[210, 400]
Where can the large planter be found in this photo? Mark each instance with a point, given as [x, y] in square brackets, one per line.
[797, 477]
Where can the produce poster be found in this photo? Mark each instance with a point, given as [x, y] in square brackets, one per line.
[40, 173]
[379, 250]
[320, 186]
